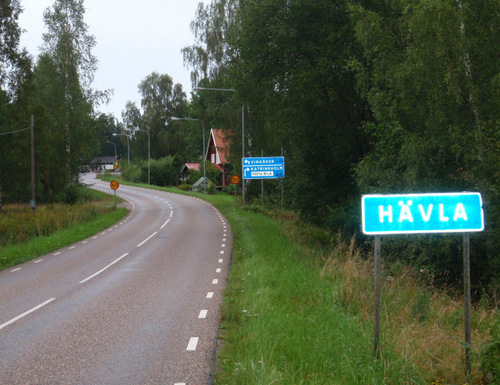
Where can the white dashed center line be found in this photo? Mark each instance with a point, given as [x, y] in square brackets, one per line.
[147, 239]
[103, 269]
[26, 313]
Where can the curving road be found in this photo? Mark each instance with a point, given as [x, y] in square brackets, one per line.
[135, 304]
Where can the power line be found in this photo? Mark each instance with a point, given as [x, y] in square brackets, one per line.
[15, 132]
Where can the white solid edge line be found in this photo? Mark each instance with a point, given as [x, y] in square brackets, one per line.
[103, 269]
[168, 220]
[26, 313]
[147, 239]
[193, 342]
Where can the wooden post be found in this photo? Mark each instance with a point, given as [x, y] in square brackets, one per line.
[262, 183]
[467, 307]
[33, 175]
[376, 296]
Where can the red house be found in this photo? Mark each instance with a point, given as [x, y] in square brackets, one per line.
[218, 153]
[186, 168]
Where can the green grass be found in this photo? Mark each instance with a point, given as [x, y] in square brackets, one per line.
[27, 235]
[281, 324]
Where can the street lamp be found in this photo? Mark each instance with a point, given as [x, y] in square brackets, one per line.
[116, 156]
[242, 128]
[149, 154]
[128, 146]
[204, 153]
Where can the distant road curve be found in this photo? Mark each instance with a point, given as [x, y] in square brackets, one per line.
[136, 304]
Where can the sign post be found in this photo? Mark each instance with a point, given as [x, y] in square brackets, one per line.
[235, 179]
[114, 186]
[423, 214]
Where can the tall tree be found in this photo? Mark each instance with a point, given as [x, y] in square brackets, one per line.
[15, 104]
[68, 45]
[209, 55]
[430, 70]
[160, 100]
[290, 61]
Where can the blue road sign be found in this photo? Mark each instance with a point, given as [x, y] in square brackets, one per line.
[422, 213]
[272, 167]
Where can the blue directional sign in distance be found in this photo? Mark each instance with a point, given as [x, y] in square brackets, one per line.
[422, 213]
[272, 167]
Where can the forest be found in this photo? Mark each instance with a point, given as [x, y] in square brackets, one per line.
[361, 97]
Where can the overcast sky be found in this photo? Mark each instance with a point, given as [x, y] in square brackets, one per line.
[134, 38]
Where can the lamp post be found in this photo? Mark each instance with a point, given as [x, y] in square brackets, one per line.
[242, 128]
[149, 154]
[128, 146]
[204, 153]
[116, 156]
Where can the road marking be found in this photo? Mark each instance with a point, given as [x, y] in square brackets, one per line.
[40, 260]
[13, 271]
[168, 220]
[221, 260]
[210, 294]
[57, 253]
[222, 251]
[203, 314]
[95, 237]
[218, 270]
[84, 242]
[223, 245]
[215, 282]
[103, 269]
[147, 239]
[193, 342]
[171, 213]
[180, 383]
[72, 247]
[26, 313]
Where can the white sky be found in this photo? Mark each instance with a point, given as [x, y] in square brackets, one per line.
[134, 38]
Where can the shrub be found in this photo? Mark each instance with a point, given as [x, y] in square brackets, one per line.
[211, 188]
[132, 173]
[185, 187]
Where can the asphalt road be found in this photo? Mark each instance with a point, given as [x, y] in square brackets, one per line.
[135, 304]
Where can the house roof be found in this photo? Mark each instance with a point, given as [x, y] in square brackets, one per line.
[104, 160]
[191, 166]
[221, 143]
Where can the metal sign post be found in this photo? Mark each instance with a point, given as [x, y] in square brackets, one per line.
[114, 186]
[376, 295]
[420, 214]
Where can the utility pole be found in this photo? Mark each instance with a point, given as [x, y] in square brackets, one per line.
[33, 163]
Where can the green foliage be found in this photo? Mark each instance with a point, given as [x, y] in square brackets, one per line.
[164, 171]
[427, 71]
[490, 356]
[211, 189]
[185, 187]
[132, 173]
[19, 224]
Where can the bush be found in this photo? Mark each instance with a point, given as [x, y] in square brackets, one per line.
[132, 173]
[490, 357]
[163, 171]
[211, 188]
[185, 187]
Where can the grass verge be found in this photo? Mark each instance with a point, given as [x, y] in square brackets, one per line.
[53, 226]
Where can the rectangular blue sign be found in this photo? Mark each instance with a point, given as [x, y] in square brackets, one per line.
[272, 167]
[422, 213]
